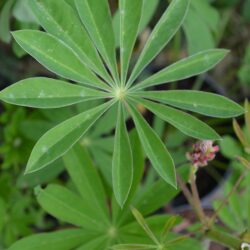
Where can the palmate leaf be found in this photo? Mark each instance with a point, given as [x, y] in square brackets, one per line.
[130, 16]
[79, 37]
[186, 123]
[122, 166]
[61, 138]
[42, 92]
[60, 240]
[96, 17]
[56, 56]
[197, 101]
[154, 148]
[165, 29]
[66, 26]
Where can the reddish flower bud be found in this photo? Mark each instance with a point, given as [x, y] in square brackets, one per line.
[202, 153]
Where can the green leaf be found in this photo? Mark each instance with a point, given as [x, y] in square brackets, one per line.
[148, 10]
[96, 17]
[155, 222]
[60, 240]
[61, 138]
[96, 244]
[230, 148]
[86, 179]
[193, 27]
[122, 166]
[56, 56]
[2, 214]
[68, 207]
[104, 163]
[41, 92]
[138, 165]
[154, 148]
[133, 247]
[106, 124]
[23, 13]
[66, 26]
[197, 101]
[130, 16]
[185, 68]
[186, 123]
[166, 28]
[142, 222]
[171, 222]
[5, 15]
[44, 176]
[138, 162]
[145, 200]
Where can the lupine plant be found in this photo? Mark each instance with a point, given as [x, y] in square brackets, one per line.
[79, 45]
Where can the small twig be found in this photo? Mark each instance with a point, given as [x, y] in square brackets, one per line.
[196, 199]
[185, 190]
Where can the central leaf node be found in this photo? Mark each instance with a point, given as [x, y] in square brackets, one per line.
[120, 93]
[112, 232]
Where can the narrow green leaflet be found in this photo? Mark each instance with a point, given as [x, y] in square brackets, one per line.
[130, 16]
[61, 138]
[68, 207]
[96, 17]
[96, 244]
[197, 101]
[66, 26]
[186, 123]
[42, 92]
[142, 222]
[154, 148]
[185, 68]
[138, 170]
[122, 166]
[148, 10]
[60, 240]
[86, 179]
[166, 28]
[171, 222]
[194, 26]
[138, 162]
[56, 56]
[146, 203]
[5, 15]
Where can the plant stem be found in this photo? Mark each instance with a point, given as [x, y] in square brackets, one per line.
[210, 231]
[185, 191]
[196, 199]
